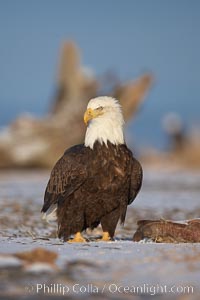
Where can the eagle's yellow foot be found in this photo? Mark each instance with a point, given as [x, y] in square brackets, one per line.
[105, 237]
[77, 239]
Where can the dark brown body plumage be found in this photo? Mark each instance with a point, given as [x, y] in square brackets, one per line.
[93, 186]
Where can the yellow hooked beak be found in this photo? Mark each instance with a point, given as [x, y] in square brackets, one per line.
[91, 114]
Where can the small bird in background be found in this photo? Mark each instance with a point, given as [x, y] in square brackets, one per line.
[93, 183]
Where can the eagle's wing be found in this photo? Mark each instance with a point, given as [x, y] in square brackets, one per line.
[136, 180]
[67, 176]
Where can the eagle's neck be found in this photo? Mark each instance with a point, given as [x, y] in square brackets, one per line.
[104, 130]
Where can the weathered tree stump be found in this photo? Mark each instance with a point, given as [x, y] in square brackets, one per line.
[32, 142]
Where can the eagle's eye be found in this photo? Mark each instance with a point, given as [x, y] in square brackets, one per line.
[100, 108]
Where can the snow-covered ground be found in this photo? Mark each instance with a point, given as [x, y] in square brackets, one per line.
[103, 270]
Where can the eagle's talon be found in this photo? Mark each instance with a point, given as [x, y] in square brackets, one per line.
[106, 237]
[77, 239]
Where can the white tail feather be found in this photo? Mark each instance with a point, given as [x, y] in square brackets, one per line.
[51, 214]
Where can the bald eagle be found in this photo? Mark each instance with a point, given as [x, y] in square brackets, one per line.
[93, 183]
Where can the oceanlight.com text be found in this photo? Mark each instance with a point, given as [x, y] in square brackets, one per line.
[108, 288]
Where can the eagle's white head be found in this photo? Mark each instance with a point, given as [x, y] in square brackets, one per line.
[104, 121]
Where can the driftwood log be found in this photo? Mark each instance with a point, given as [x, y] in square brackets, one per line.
[163, 231]
[37, 255]
[32, 142]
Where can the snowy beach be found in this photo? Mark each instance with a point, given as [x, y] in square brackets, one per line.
[114, 270]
